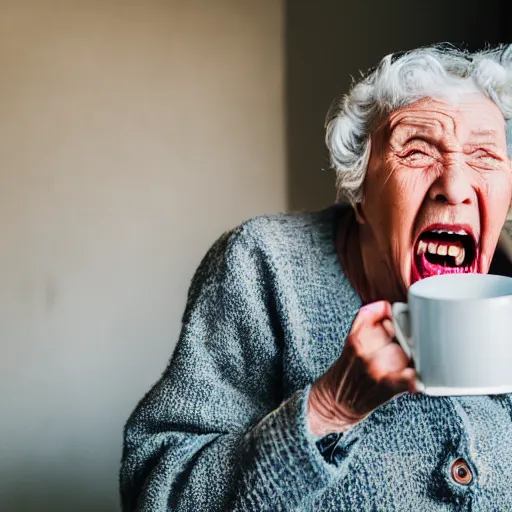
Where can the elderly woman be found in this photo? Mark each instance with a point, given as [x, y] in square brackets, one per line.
[286, 390]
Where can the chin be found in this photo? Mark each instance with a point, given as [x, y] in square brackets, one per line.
[445, 249]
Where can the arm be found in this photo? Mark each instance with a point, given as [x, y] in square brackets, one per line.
[215, 433]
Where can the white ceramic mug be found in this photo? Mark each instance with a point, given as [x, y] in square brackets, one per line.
[458, 330]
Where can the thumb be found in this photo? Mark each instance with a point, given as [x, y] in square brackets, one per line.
[373, 313]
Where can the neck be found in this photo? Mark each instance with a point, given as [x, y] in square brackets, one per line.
[348, 247]
[358, 254]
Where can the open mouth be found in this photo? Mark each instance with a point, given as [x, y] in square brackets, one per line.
[445, 250]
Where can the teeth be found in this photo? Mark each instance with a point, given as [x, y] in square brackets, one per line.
[422, 247]
[453, 251]
[459, 259]
[458, 253]
[432, 248]
[460, 232]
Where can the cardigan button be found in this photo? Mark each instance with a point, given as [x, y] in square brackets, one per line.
[461, 472]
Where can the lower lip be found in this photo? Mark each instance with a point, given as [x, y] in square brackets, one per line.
[427, 269]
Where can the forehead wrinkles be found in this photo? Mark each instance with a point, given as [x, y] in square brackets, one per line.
[426, 123]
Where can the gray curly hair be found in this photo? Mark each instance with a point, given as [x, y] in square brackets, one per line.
[399, 80]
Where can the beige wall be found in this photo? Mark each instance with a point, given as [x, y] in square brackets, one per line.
[132, 133]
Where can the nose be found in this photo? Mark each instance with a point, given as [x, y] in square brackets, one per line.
[453, 187]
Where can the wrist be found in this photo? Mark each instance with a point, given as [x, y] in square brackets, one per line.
[325, 415]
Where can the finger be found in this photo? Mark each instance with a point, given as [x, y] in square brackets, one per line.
[388, 327]
[365, 342]
[387, 360]
[372, 314]
[402, 381]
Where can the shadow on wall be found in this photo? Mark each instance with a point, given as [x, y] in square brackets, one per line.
[329, 41]
[70, 499]
[51, 490]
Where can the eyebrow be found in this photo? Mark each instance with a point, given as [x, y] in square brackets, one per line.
[405, 131]
[485, 138]
[483, 133]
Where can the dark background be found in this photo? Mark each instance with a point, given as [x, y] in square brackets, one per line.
[328, 41]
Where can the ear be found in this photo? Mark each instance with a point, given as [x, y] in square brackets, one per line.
[358, 209]
[359, 206]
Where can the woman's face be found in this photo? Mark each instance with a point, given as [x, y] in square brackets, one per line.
[438, 188]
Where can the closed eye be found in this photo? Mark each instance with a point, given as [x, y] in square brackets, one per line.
[414, 152]
[485, 159]
[417, 158]
[486, 155]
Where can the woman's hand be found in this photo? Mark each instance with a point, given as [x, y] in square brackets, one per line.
[371, 370]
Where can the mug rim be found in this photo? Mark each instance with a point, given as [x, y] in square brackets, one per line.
[414, 292]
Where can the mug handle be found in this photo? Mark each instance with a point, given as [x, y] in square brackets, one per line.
[399, 310]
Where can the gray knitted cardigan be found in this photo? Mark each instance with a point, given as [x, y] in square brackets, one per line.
[224, 429]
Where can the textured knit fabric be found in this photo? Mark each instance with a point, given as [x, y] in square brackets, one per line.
[225, 427]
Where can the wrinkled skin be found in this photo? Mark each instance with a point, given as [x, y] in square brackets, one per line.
[431, 163]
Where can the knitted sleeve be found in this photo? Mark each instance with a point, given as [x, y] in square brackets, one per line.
[215, 433]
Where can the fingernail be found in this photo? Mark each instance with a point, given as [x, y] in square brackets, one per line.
[373, 306]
